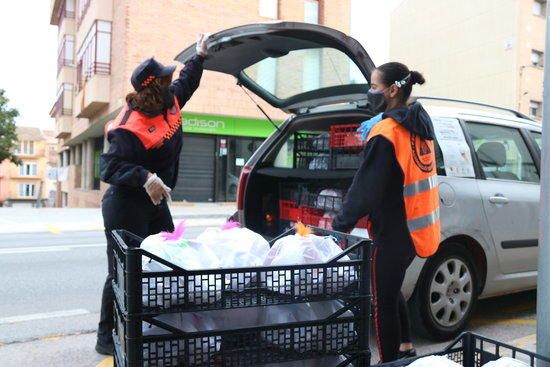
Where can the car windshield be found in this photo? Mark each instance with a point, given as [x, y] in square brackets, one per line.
[305, 70]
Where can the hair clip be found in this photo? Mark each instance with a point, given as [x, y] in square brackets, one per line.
[403, 82]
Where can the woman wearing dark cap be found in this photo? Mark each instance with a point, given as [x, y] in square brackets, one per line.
[396, 187]
[142, 162]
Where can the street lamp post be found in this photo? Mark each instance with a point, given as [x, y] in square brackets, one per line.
[543, 281]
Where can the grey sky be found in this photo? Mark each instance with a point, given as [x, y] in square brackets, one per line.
[28, 67]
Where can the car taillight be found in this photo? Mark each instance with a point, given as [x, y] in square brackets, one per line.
[245, 173]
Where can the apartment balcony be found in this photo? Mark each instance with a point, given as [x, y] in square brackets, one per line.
[62, 111]
[93, 95]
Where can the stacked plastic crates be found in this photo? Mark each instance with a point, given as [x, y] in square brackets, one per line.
[345, 145]
[148, 299]
[309, 208]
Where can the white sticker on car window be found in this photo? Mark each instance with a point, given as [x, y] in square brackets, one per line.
[456, 151]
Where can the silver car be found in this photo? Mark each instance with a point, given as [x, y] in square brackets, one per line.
[488, 164]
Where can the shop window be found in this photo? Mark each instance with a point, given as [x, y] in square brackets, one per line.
[98, 150]
[27, 190]
[269, 9]
[535, 109]
[537, 58]
[539, 8]
[28, 169]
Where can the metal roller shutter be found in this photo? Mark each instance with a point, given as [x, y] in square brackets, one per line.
[196, 170]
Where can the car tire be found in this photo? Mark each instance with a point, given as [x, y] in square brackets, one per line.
[446, 293]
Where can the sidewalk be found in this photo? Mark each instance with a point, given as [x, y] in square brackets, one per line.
[56, 220]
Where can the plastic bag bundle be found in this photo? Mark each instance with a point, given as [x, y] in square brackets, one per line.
[327, 219]
[235, 247]
[187, 254]
[306, 248]
[506, 362]
[319, 162]
[308, 338]
[329, 199]
[434, 361]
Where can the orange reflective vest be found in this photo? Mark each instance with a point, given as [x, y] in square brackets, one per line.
[151, 131]
[416, 158]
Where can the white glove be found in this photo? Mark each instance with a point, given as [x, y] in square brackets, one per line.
[157, 190]
[202, 41]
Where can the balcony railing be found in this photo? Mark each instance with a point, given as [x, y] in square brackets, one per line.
[64, 103]
[66, 10]
[94, 57]
[82, 9]
[65, 56]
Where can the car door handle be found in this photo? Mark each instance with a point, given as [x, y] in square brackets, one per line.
[499, 199]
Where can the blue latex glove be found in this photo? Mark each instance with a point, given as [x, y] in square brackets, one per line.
[366, 126]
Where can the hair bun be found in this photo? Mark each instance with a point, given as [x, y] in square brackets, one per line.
[417, 78]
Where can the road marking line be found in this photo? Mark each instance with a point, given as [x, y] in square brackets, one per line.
[107, 362]
[529, 340]
[43, 316]
[35, 249]
[504, 322]
[52, 229]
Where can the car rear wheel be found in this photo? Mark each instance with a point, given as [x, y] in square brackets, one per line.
[446, 293]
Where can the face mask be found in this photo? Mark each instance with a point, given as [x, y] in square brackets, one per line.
[167, 97]
[376, 100]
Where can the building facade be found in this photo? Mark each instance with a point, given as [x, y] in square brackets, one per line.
[28, 184]
[484, 51]
[101, 41]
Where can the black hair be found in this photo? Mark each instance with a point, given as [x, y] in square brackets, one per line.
[393, 72]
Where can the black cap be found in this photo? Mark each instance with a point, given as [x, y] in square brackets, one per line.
[148, 71]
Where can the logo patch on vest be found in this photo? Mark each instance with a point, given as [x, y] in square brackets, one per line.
[152, 129]
[422, 154]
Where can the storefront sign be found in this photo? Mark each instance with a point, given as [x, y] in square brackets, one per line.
[226, 125]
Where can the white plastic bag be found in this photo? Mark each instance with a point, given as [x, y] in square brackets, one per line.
[187, 254]
[326, 221]
[506, 362]
[329, 199]
[434, 361]
[319, 162]
[311, 338]
[235, 248]
[309, 249]
[328, 361]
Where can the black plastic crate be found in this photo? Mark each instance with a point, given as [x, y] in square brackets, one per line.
[311, 151]
[323, 202]
[334, 336]
[251, 345]
[472, 350]
[312, 142]
[343, 160]
[149, 293]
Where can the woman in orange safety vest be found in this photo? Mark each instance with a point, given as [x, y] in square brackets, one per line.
[396, 187]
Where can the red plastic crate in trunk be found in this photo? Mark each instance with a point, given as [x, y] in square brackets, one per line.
[345, 136]
[289, 210]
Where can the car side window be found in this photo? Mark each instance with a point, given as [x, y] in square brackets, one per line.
[537, 137]
[503, 153]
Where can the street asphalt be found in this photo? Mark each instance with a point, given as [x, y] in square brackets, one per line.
[51, 289]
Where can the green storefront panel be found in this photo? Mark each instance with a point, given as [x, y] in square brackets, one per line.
[226, 125]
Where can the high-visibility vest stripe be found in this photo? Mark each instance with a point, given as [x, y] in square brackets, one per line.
[420, 186]
[423, 222]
